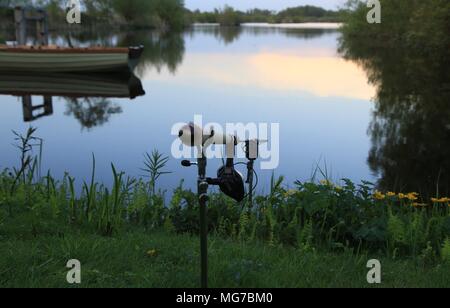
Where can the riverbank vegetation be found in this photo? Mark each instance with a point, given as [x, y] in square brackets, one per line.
[415, 23]
[313, 218]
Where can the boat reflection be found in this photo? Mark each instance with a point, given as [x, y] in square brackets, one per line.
[75, 88]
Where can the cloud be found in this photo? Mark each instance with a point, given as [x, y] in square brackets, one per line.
[321, 74]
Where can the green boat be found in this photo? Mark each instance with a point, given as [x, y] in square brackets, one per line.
[52, 59]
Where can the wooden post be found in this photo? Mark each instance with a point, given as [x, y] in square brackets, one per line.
[21, 25]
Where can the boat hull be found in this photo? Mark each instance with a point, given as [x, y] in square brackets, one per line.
[66, 60]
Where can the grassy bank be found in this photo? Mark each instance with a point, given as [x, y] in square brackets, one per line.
[138, 258]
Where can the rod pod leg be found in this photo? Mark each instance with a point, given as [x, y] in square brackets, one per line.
[203, 200]
[204, 240]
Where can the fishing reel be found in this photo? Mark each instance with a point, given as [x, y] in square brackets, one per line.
[229, 180]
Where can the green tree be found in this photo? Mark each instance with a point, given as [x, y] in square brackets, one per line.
[135, 12]
[229, 17]
[171, 13]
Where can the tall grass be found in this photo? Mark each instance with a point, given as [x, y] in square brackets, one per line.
[154, 164]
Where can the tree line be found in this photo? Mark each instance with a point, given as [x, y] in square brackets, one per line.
[228, 16]
[170, 14]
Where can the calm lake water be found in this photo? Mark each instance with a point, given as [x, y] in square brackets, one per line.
[286, 75]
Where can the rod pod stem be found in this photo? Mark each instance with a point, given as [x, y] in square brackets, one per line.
[203, 199]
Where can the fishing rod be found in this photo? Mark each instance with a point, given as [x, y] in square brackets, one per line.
[229, 180]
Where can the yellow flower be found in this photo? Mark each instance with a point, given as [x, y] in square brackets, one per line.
[379, 196]
[152, 253]
[441, 200]
[402, 196]
[412, 196]
[391, 194]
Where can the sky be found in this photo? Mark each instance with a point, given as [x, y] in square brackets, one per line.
[208, 5]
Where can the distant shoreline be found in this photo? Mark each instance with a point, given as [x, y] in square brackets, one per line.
[306, 25]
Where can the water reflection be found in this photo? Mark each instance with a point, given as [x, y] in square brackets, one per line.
[295, 60]
[229, 35]
[162, 49]
[410, 129]
[91, 111]
[304, 34]
[86, 94]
